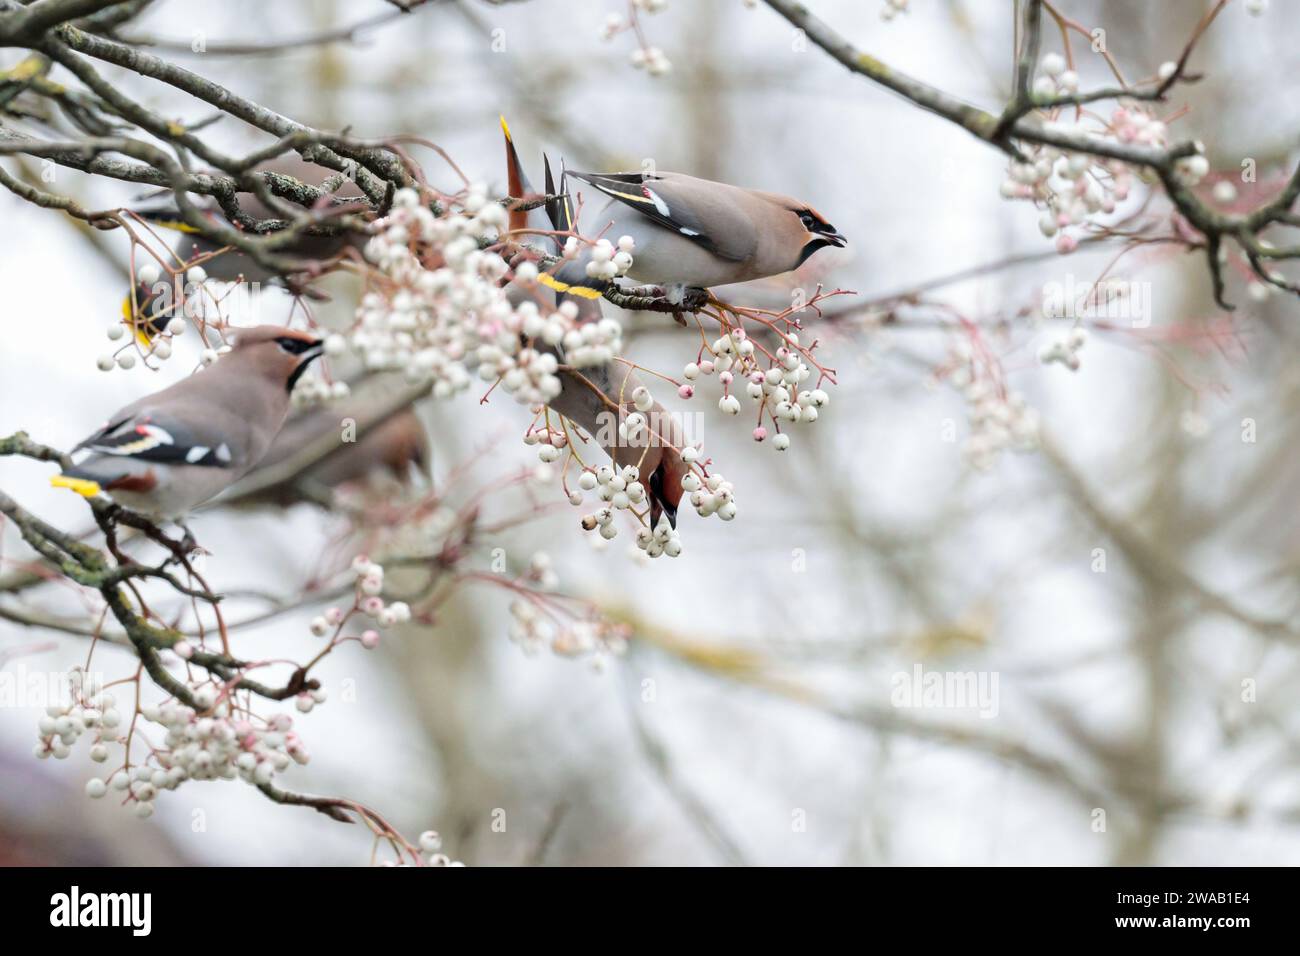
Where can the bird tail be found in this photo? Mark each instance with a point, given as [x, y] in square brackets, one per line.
[168, 216]
[82, 486]
[570, 279]
[148, 328]
[559, 210]
[516, 179]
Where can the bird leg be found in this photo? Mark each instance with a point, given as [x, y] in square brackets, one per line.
[676, 300]
[188, 545]
[114, 514]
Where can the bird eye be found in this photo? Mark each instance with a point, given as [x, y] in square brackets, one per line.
[294, 346]
[814, 224]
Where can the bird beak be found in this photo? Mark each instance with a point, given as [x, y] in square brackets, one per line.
[835, 239]
[658, 503]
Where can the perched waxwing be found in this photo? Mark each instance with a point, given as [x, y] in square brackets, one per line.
[599, 399]
[170, 451]
[692, 232]
[152, 303]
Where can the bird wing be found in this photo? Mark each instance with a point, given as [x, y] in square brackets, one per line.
[678, 204]
[153, 437]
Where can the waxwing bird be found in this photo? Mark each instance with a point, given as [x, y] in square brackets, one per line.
[395, 447]
[170, 451]
[598, 399]
[694, 232]
[152, 302]
[398, 447]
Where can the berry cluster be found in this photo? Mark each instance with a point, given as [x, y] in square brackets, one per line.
[437, 296]
[1072, 188]
[437, 308]
[1000, 419]
[92, 711]
[778, 390]
[312, 390]
[216, 741]
[892, 9]
[606, 262]
[622, 491]
[136, 343]
[430, 843]
[713, 495]
[644, 56]
[215, 736]
[1065, 350]
[538, 621]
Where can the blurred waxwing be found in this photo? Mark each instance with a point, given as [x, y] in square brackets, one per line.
[396, 446]
[691, 232]
[152, 303]
[599, 399]
[170, 451]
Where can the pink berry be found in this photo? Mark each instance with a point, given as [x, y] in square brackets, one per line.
[370, 640]
[1066, 244]
[686, 391]
[760, 433]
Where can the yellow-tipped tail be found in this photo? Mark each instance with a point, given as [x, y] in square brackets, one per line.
[128, 316]
[505, 127]
[176, 225]
[82, 486]
[583, 291]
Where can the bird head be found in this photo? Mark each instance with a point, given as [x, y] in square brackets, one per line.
[818, 233]
[276, 352]
[665, 484]
[802, 229]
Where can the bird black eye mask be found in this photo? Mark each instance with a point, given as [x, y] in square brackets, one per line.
[295, 346]
[813, 224]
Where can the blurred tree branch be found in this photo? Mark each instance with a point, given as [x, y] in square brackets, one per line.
[1017, 125]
